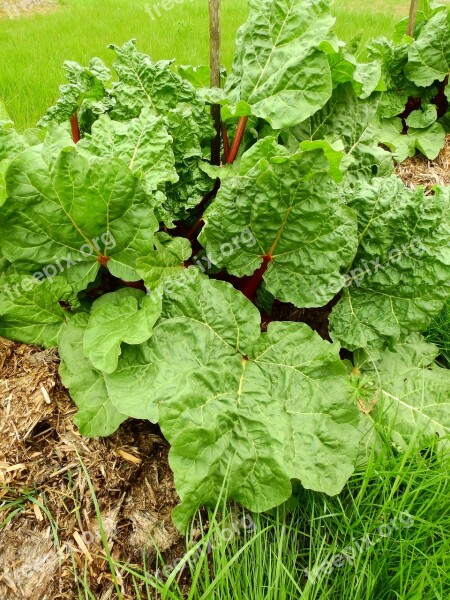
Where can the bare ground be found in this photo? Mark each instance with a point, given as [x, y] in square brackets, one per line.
[40, 452]
[13, 9]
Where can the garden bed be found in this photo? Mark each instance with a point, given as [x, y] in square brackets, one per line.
[40, 466]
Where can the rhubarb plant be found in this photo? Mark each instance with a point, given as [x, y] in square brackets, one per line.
[414, 109]
[190, 294]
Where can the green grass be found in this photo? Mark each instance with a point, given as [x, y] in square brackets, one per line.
[391, 522]
[439, 334]
[33, 48]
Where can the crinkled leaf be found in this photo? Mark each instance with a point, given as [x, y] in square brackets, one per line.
[64, 217]
[255, 409]
[295, 219]
[96, 416]
[126, 316]
[400, 277]
[350, 120]
[189, 134]
[420, 119]
[143, 143]
[280, 72]
[364, 77]
[85, 92]
[429, 54]
[165, 262]
[144, 83]
[430, 140]
[390, 133]
[393, 59]
[410, 395]
[30, 309]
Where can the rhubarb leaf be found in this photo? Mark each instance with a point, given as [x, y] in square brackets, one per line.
[144, 144]
[256, 410]
[30, 309]
[280, 72]
[350, 120]
[429, 141]
[400, 276]
[144, 83]
[409, 393]
[429, 54]
[291, 207]
[166, 262]
[85, 94]
[127, 316]
[420, 119]
[96, 416]
[70, 216]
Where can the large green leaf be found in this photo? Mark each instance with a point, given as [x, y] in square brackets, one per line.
[128, 316]
[66, 215]
[96, 416]
[237, 406]
[350, 120]
[156, 88]
[280, 71]
[406, 394]
[30, 309]
[11, 144]
[400, 276]
[144, 83]
[291, 208]
[143, 143]
[429, 54]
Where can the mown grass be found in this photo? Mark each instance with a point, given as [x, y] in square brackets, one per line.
[33, 48]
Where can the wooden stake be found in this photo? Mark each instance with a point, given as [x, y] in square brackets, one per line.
[412, 17]
[214, 61]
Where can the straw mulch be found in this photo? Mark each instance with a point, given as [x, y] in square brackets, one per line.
[421, 171]
[40, 452]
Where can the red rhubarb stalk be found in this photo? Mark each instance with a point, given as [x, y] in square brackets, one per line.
[233, 152]
[103, 260]
[226, 142]
[237, 140]
[250, 288]
[74, 125]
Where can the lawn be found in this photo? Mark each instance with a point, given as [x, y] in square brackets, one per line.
[34, 47]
